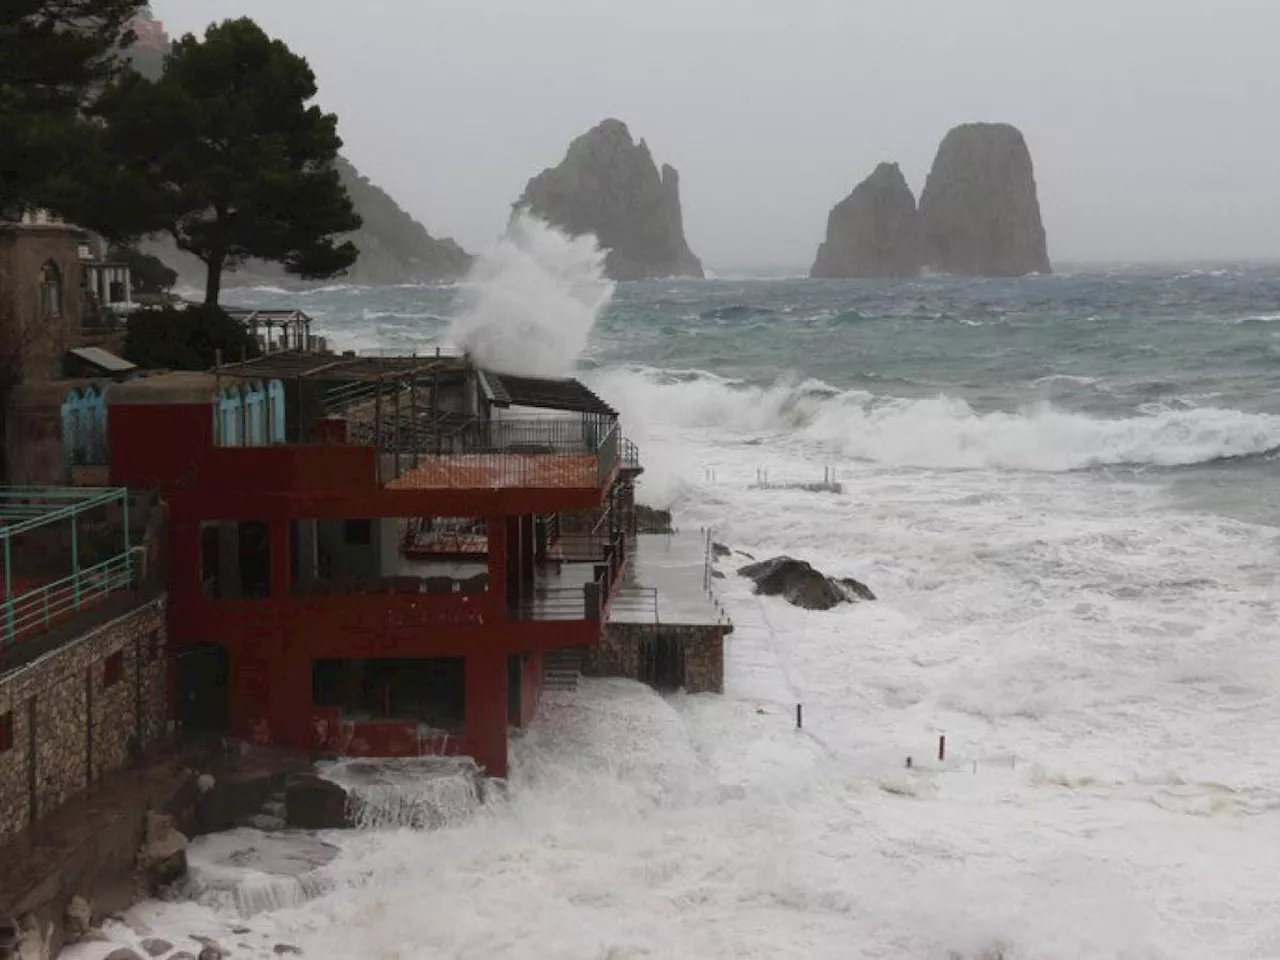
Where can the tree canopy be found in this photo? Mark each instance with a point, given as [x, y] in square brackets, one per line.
[55, 57]
[226, 153]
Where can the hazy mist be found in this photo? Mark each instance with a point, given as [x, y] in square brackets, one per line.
[1151, 121]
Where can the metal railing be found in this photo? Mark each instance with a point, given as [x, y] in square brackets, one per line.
[538, 452]
[587, 602]
[40, 609]
[630, 455]
[636, 603]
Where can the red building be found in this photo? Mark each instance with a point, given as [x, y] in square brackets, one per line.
[365, 554]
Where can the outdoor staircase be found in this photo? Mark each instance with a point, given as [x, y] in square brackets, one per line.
[563, 670]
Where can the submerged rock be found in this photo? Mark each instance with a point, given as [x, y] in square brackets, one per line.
[979, 213]
[803, 586]
[652, 520]
[873, 232]
[609, 185]
[156, 947]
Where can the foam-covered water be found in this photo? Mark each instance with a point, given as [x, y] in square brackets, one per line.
[1062, 491]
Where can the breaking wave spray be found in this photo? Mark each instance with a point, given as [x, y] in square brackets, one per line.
[529, 304]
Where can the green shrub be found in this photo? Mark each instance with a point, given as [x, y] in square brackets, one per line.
[189, 339]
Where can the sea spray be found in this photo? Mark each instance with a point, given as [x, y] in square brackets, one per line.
[530, 303]
[412, 793]
[939, 432]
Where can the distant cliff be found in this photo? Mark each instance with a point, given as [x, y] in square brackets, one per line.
[610, 186]
[873, 231]
[394, 247]
[979, 213]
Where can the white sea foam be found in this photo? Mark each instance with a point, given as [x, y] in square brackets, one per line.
[529, 304]
[937, 432]
[1105, 667]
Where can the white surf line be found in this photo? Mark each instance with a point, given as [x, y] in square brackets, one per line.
[788, 677]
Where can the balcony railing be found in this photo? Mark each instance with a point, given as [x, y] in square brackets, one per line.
[591, 600]
[532, 452]
[41, 608]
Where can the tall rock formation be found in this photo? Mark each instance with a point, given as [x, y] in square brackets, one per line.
[609, 185]
[979, 213]
[873, 231]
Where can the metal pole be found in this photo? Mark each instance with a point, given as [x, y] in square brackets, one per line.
[75, 557]
[8, 586]
[396, 412]
[377, 429]
[128, 556]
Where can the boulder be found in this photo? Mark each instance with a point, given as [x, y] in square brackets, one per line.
[155, 947]
[873, 232]
[609, 185]
[314, 803]
[124, 953]
[803, 586]
[163, 857]
[979, 213]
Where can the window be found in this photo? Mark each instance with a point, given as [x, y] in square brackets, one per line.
[113, 670]
[358, 533]
[50, 290]
[6, 731]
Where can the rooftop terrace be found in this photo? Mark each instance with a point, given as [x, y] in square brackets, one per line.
[65, 550]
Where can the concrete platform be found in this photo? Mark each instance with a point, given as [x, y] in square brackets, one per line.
[665, 583]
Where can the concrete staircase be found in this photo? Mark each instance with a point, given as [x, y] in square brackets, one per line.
[563, 670]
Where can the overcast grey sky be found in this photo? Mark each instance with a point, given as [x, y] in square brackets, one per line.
[1152, 122]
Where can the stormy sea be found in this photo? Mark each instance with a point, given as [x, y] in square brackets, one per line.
[1065, 492]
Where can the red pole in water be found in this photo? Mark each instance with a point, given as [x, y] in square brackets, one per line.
[942, 748]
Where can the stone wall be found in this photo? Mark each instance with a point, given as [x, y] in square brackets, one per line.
[24, 249]
[700, 648]
[81, 712]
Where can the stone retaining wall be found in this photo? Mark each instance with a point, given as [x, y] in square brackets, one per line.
[700, 648]
[81, 712]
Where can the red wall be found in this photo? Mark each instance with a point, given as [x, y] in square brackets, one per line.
[273, 641]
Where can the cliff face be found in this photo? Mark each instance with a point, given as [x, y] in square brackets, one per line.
[394, 247]
[609, 185]
[979, 213]
[873, 231]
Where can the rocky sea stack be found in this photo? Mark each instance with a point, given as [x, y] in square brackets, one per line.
[979, 213]
[873, 231]
[610, 186]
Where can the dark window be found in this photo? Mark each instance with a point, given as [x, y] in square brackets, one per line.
[153, 646]
[50, 290]
[255, 559]
[6, 731]
[210, 561]
[113, 670]
[358, 533]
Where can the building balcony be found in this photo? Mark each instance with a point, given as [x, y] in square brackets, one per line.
[66, 552]
[533, 453]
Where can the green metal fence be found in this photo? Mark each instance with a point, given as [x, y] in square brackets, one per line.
[32, 605]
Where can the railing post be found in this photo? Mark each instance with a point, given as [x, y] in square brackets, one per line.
[75, 558]
[128, 553]
[8, 587]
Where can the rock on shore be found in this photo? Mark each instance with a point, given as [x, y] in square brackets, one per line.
[980, 213]
[803, 586]
[872, 232]
[610, 186]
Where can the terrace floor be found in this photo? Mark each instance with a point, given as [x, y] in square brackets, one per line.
[501, 470]
[663, 583]
[673, 567]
